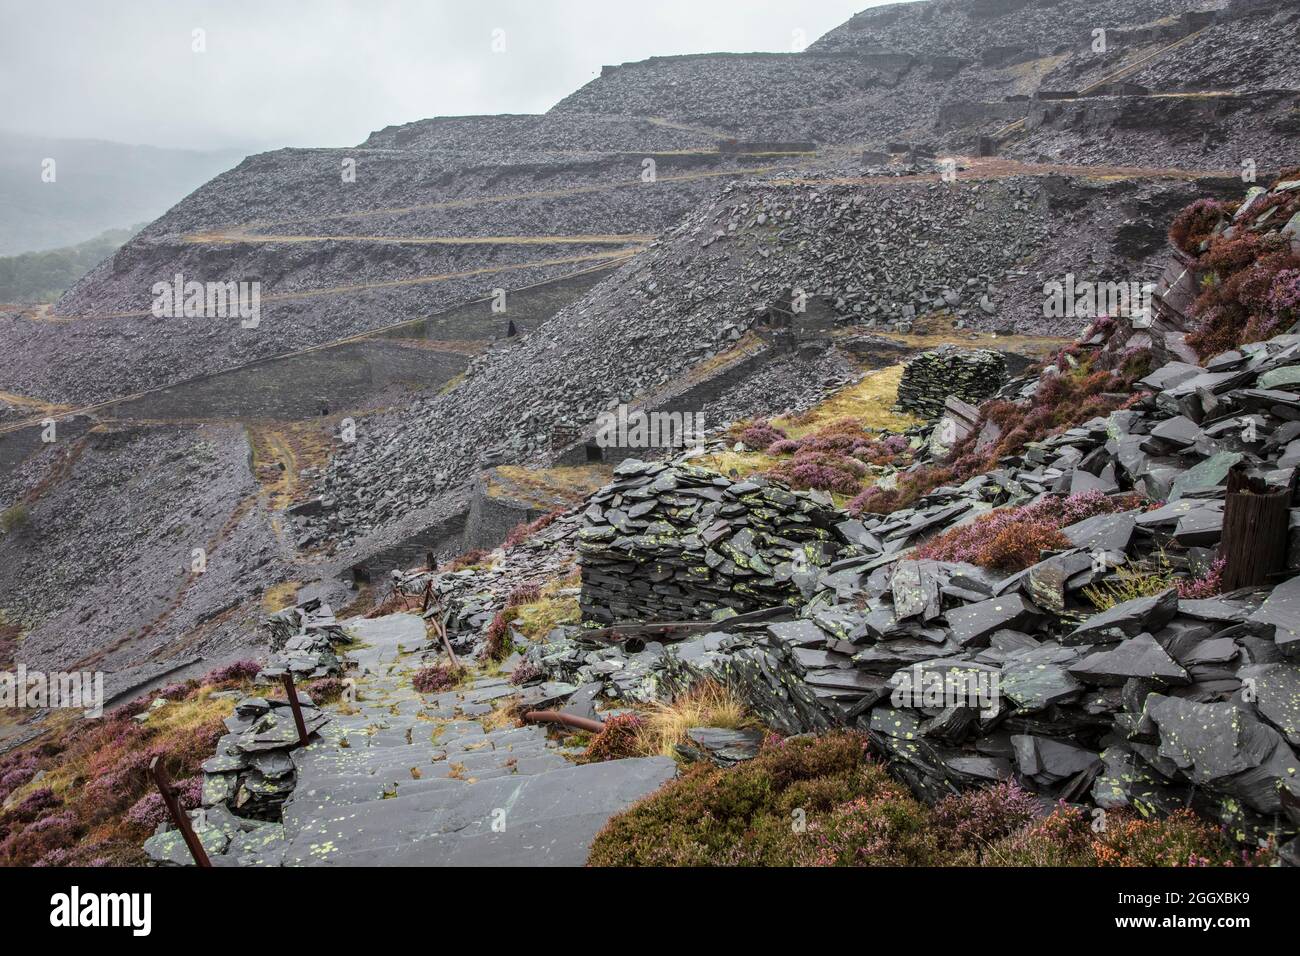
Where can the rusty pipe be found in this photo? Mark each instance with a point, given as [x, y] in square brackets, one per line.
[568, 720]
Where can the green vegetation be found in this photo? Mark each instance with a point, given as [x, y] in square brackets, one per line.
[825, 802]
[44, 276]
[13, 518]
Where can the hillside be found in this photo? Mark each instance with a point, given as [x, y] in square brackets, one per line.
[97, 186]
[840, 260]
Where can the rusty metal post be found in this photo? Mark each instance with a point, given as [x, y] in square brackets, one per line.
[568, 720]
[179, 817]
[292, 693]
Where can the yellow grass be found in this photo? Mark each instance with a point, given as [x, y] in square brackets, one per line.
[548, 488]
[279, 596]
[869, 402]
[707, 704]
[552, 609]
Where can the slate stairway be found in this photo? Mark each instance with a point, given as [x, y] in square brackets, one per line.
[400, 778]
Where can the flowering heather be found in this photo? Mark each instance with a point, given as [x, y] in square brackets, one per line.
[1098, 385]
[240, 670]
[88, 808]
[526, 529]
[525, 672]
[834, 458]
[1207, 585]
[496, 643]
[1197, 223]
[326, 689]
[976, 818]
[1251, 291]
[760, 436]
[467, 560]
[441, 676]
[857, 815]
[150, 810]
[619, 739]
[1011, 539]
[179, 691]
[827, 472]
[524, 594]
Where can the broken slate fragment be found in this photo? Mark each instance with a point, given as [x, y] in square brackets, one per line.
[971, 625]
[1282, 611]
[1205, 475]
[1141, 656]
[1127, 619]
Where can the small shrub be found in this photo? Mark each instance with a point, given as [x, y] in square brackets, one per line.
[1181, 839]
[497, 644]
[1011, 539]
[235, 672]
[439, 677]
[1132, 581]
[1207, 585]
[621, 738]
[974, 819]
[1062, 839]
[526, 529]
[1196, 223]
[761, 435]
[470, 559]
[526, 671]
[524, 594]
[14, 517]
[326, 690]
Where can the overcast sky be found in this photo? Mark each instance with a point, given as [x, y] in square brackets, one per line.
[327, 72]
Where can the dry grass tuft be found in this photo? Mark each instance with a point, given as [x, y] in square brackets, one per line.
[707, 704]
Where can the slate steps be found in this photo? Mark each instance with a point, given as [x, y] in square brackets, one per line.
[388, 782]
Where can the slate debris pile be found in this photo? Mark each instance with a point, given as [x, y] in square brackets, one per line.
[245, 784]
[304, 637]
[929, 379]
[963, 675]
[681, 543]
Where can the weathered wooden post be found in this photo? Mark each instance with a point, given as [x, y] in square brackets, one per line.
[180, 819]
[1256, 526]
[292, 693]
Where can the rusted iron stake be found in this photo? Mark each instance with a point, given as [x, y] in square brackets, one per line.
[179, 817]
[568, 720]
[292, 693]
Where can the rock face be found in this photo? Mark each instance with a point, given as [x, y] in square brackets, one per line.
[971, 375]
[680, 543]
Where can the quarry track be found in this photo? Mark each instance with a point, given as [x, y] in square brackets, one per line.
[1119, 74]
[470, 201]
[988, 168]
[64, 411]
[592, 240]
[617, 254]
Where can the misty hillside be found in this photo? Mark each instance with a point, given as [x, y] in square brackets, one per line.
[98, 185]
